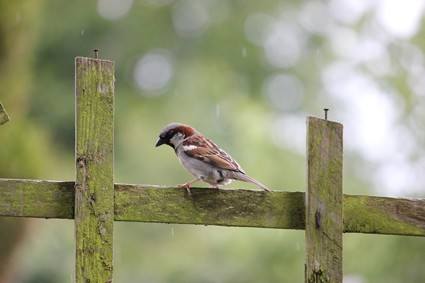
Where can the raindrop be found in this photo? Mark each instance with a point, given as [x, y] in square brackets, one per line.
[217, 110]
[82, 32]
[172, 231]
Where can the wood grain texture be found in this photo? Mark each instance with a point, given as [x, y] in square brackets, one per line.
[149, 203]
[33, 198]
[383, 215]
[324, 201]
[94, 157]
[225, 207]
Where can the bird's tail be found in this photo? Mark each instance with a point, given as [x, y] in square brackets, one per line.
[246, 178]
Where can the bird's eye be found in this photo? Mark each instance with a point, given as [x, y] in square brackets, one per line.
[170, 134]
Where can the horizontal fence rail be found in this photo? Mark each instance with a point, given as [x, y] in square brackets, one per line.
[224, 207]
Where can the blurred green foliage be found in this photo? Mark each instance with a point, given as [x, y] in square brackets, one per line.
[243, 73]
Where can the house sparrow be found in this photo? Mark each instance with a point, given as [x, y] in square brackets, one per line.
[202, 157]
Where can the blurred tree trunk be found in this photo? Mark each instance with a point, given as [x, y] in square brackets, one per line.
[18, 30]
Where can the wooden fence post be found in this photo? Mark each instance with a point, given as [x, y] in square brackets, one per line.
[324, 201]
[94, 157]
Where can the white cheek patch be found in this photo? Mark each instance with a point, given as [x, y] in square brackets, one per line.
[189, 147]
[176, 139]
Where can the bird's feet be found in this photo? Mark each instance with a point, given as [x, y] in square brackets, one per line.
[187, 185]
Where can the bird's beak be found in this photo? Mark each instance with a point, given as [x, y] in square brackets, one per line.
[159, 142]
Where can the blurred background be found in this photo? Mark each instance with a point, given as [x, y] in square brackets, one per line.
[244, 73]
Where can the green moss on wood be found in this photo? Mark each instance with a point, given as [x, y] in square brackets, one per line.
[206, 206]
[284, 210]
[380, 215]
[31, 198]
[324, 221]
[94, 189]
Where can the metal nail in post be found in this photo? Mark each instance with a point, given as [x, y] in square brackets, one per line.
[326, 113]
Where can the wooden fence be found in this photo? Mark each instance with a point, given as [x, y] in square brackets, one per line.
[95, 202]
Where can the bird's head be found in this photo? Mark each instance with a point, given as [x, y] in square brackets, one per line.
[174, 133]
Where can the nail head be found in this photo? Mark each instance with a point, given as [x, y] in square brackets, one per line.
[326, 113]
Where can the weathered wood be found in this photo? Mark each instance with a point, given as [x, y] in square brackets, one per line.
[3, 115]
[243, 208]
[147, 203]
[324, 201]
[382, 215]
[94, 157]
[32, 198]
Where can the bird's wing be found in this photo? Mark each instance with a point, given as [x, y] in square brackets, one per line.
[203, 149]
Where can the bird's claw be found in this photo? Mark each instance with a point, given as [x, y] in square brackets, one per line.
[187, 186]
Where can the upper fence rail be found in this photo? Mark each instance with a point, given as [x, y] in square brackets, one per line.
[225, 207]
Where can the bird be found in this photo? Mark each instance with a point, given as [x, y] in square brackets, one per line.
[202, 157]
